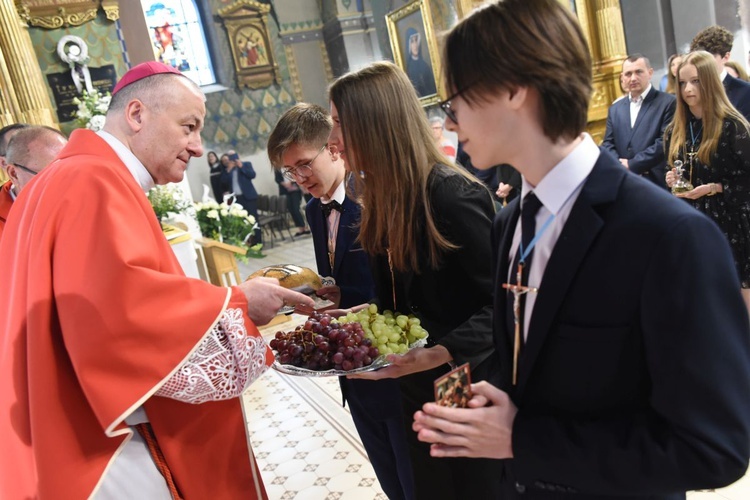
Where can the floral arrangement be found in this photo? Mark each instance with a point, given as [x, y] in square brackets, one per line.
[168, 201]
[92, 108]
[229, 224]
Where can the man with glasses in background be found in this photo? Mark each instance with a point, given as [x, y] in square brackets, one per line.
[29, 151]
[294, 149]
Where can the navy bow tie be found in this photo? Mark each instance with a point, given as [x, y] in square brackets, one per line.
[327, 207]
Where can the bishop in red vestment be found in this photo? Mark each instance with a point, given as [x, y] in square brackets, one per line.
[100, 324]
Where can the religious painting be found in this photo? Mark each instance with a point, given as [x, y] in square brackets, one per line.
[251, 47]
[415, 49]
[178, 38]
[246, 23]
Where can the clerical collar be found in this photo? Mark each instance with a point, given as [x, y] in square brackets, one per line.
[568, 175]
[643, 95]
[338, 195]
[141, 175]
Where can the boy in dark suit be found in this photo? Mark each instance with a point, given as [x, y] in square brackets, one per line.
[718, 41]
[635, 126]
[626, 369]
[298, 148]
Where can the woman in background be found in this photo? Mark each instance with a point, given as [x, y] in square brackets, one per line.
[215, 167]
[672, 65]
[426, 227]
[712, 139]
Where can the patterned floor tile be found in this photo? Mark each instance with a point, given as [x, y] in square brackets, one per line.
[312, 493]
[300, 481]
[344, 482]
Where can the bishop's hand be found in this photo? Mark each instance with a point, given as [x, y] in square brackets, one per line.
[265, 297]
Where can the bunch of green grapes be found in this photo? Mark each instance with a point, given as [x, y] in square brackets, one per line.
[390, 332]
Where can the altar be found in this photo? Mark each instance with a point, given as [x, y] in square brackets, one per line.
[183, 246]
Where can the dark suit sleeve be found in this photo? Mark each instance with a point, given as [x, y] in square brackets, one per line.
[609, 134]
[653, 156]
[247, 170]
[694, 432]
[466, 212]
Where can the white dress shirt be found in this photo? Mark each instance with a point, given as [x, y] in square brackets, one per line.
[339, 194]
[558, 192]
[636, 104]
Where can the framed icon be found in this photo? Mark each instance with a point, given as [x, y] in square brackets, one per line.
[415, 49]
[246, 23]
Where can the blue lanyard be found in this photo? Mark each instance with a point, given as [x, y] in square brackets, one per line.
[525, 253]
[692, 136]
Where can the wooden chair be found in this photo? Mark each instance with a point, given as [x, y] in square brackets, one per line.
[220, 261]
[266, 218]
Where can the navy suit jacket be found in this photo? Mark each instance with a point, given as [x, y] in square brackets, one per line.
[635, 376]
[351, 267]
[245, 176]
[738, 92]
[642, 144]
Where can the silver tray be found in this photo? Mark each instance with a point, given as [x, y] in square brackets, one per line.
[380, 362]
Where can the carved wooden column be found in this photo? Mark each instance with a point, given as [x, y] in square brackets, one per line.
[601, 21]
[9, 110]
[26, 79]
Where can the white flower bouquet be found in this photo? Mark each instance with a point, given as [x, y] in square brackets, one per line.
[92, 108]
[226, 223]
[168, 201]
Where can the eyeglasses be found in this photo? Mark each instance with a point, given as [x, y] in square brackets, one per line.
[25, 169]
[446, 104]
[301, 170]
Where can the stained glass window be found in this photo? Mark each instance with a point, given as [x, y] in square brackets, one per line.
[177, 35]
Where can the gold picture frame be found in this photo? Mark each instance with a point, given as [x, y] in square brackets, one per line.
[410, 30]
[246, 23]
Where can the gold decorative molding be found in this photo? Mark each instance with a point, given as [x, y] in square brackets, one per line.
[326, 61]
[53, 14]
[291, 63]
[246, 23]
[111, 9]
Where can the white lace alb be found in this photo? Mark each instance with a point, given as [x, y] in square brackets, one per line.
[226, 362]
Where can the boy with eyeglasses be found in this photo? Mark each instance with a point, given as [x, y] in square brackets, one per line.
[295, 149]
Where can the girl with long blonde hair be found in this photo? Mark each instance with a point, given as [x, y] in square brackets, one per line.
[712, 139]
[426, 227]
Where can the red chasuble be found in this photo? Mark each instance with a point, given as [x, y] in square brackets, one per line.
[6, 201]
[95, 315]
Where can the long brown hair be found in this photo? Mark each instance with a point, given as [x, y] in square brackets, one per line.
[715, 107]
[672, 79]
[389, 142]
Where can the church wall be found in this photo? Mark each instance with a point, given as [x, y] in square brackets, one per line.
[660, 28]
[104, 47]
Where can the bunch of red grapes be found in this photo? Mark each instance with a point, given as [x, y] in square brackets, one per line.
[324, 344]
